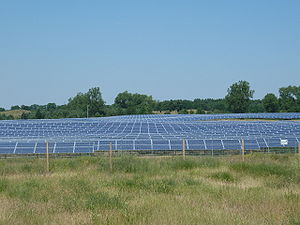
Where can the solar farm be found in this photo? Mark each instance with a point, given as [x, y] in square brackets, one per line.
[209, 134]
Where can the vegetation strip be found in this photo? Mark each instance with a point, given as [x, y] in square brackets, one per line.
[265, 189]
[239, 99]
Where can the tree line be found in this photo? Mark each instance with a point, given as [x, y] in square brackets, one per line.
[239, 99]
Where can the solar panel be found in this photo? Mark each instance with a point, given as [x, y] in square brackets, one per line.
[149, 132]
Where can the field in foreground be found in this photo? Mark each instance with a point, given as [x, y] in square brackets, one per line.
[265, 189]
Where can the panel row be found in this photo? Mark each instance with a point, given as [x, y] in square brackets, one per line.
[149, 144]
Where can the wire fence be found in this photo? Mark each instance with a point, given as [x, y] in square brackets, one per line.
[181, 147]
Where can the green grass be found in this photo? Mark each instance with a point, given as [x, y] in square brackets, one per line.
[223, 176]
[265, 189]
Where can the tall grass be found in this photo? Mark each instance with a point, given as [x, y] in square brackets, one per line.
[288, 173]
[160, 190]
[223, 176]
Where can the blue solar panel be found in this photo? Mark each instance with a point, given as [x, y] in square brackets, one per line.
[161, 144]
[25, 148]
[176, 144]
[231, 144]
[143, 144]
[251, 144]
[7, 147]
[149, 132]
[62, 147]
[214, 144]
[196, 145]
[84, 147]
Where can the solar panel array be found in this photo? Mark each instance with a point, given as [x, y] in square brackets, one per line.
[149, 132]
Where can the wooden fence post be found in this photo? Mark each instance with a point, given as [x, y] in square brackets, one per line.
[243, 149]
[47, 156]
[183, 148]
[299, 148]
[110, 157]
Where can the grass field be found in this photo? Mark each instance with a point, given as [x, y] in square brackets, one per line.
[265, 189]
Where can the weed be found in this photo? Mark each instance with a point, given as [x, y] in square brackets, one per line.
[3, 184]
[102, 200]
[262, 169]
[26, 190]
[165, 185]
[191, 163]
[223, 176]
[189, 181]
[156, 190]
[130, 164]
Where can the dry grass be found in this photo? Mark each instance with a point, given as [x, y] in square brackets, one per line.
[15, 113]
[199, 190]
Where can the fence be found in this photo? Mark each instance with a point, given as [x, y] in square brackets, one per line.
[178, 147]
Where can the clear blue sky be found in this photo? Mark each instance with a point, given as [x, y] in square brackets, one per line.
[51, 50]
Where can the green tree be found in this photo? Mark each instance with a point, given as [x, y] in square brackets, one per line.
[256, 106]
[200, 111]
[95, 102]
[270, 103]
[211, 105]
[15, 107]
[238, 97]
[91, 101]
[128, 103]
[78, 105]
[25, 116]
[51, 106]
[34, 107]
[183, 111]
[25, 107]
[39, 114]
[2, 109]
[289, 98]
